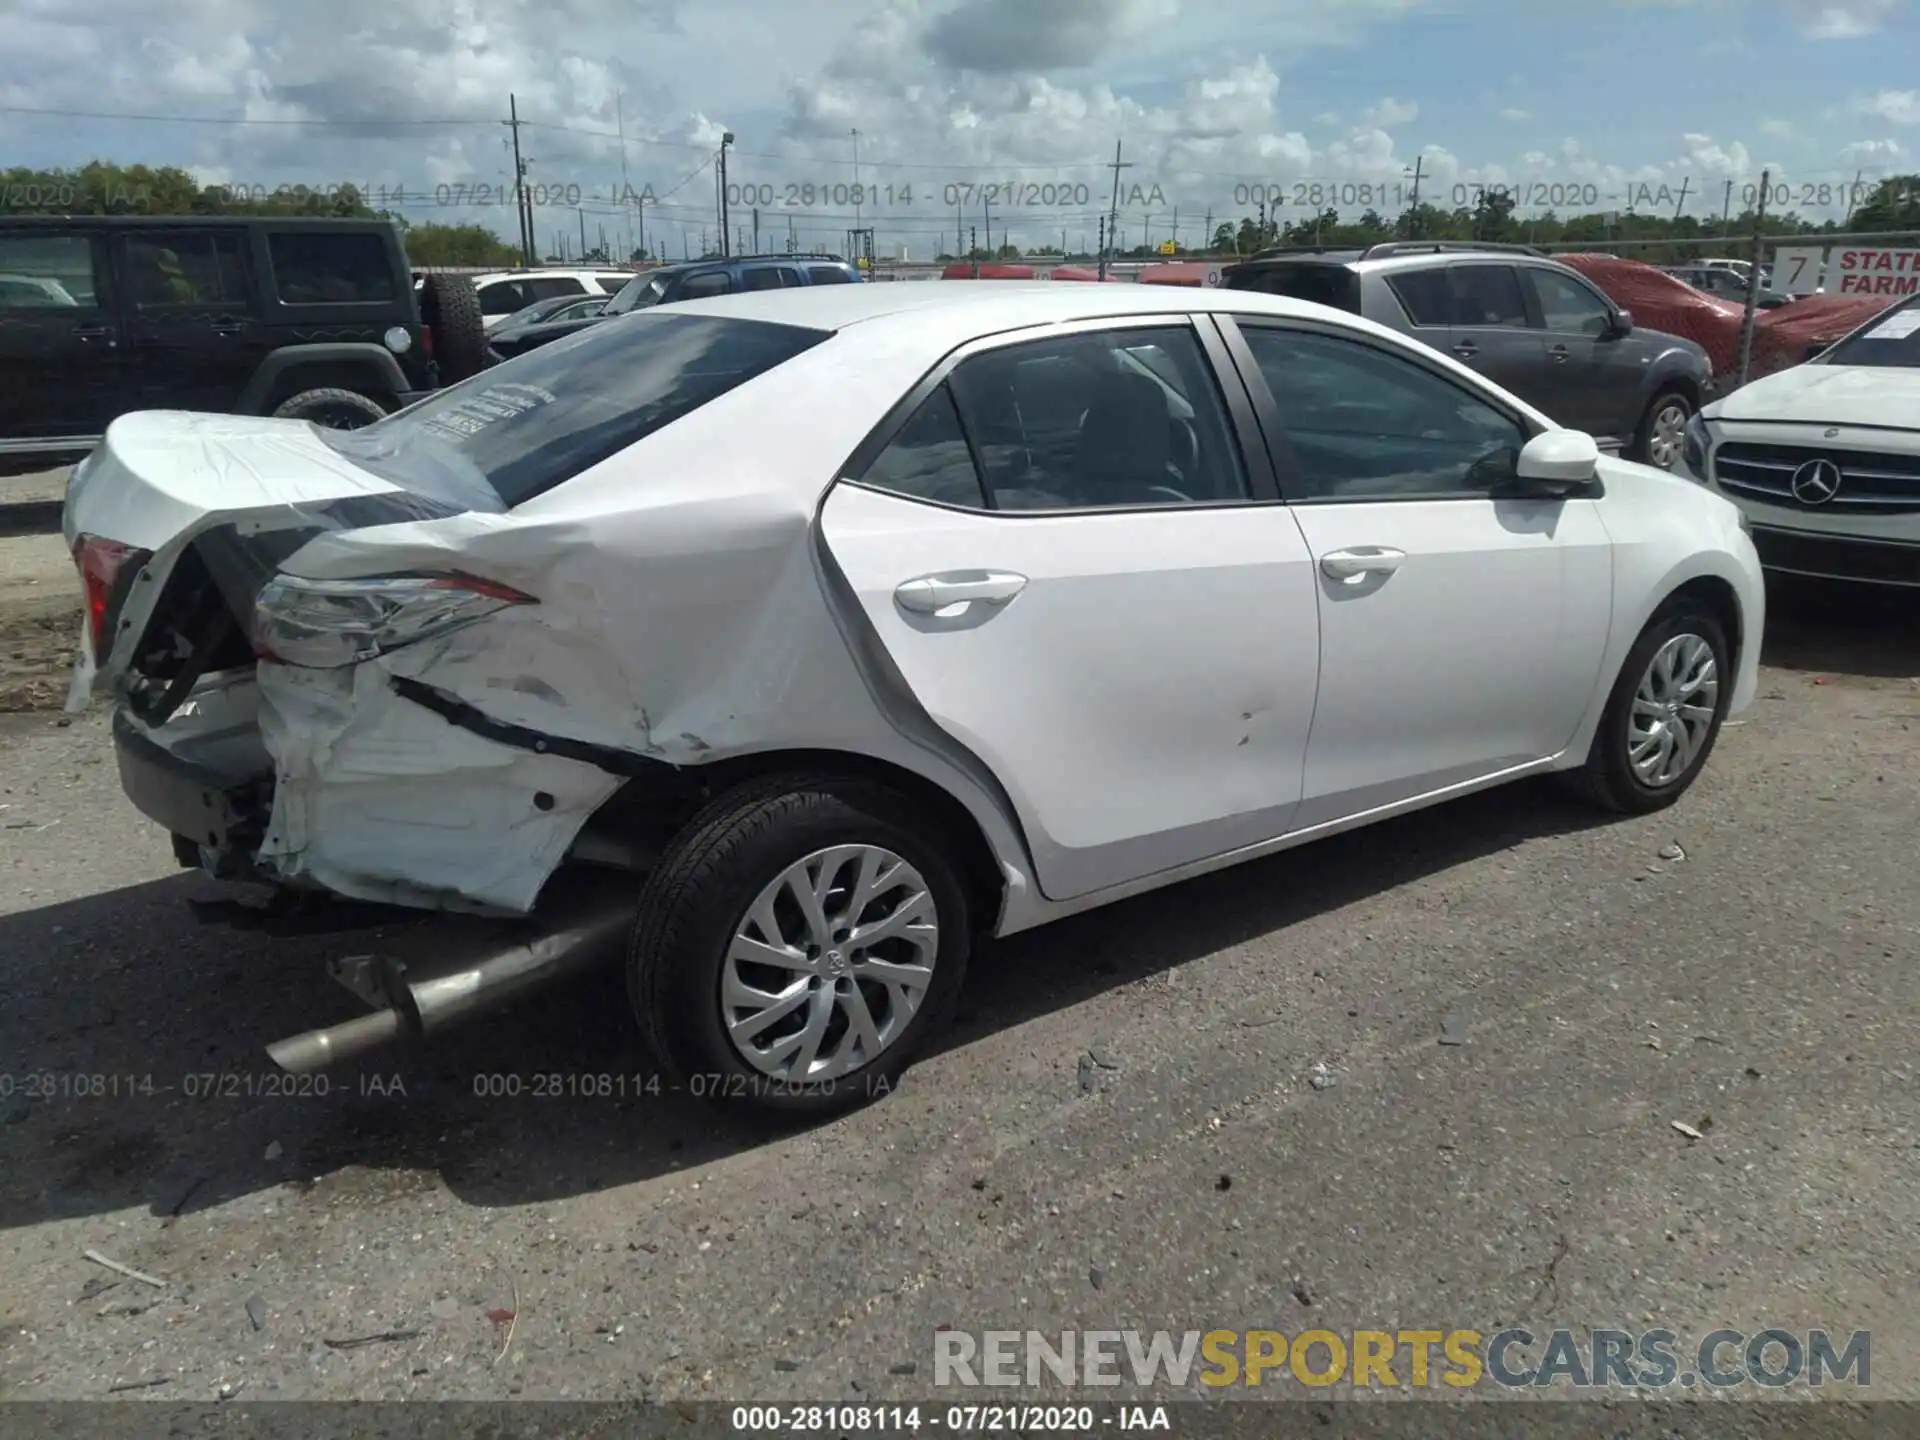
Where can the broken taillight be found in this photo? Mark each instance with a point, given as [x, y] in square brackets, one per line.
[101, 564]
[324, 624]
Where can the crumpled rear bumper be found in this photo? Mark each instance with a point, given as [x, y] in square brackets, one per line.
[332, 779]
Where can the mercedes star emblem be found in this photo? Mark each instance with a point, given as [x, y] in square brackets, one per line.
[1816, 482]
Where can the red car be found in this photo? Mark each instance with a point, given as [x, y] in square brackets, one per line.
[1781, 338]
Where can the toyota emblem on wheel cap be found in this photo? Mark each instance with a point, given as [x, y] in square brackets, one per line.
[1816, 482]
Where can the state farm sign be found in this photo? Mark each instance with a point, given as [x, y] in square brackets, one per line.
[1873, 270]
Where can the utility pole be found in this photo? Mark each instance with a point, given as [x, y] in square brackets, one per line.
[1726, 210]
[1113, 212]
[1686, 183]
[986, 216]
[1176, 230]
[520, 208]
[1413, 206]
[1206, 233]
[626, 184]
[1853, 199]
[1753, 278]
[959, 238]
[726, 139]
[756, 229]
[1146, 231]
[583, 230]
[856, 177]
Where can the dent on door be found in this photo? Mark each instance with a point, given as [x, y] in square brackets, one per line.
[1140, 683]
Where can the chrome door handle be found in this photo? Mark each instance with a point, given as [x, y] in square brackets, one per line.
[1361, 561]
[1559, 353]
[1466, 350]
[930, 594]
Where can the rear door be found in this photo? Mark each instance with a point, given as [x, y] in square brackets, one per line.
[1490, 333]
[553, 287]
[501, 298]
[61, 347]
[1109, 609]
[192, 337]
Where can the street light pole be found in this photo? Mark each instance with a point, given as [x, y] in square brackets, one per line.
[726, 139]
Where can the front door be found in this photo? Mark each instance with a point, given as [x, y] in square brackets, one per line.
[1104, 610]
[193, 339]
[60, 338]
[1490, 335]
[1461, 633]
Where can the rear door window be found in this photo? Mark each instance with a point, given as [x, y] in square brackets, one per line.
[185, 268]
[1425, 295]
[506, 436]
[318, 268]
[48, 272]
[828, 275]
[699, 287]
[504, 297]
[553, 287]
[771, 277]
[1487, 295]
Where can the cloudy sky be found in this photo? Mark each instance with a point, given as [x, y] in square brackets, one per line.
[1217, 102]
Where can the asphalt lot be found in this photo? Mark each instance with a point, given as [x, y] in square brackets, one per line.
[1124, 1128]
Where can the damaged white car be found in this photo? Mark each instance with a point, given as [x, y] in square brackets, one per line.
[837, 627]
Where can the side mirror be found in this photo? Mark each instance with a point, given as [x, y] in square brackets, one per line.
[1556, 464]
[1622, 323]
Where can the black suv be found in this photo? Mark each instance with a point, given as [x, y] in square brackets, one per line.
[692, 280]
[1535, 327]
[306, 319]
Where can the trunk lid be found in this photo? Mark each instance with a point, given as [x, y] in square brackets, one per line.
[176, 520]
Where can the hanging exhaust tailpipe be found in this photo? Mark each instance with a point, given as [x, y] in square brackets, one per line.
[423, 1005]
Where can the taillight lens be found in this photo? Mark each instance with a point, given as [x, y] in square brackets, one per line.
[426, 341]
[324, 624]
[100, 563]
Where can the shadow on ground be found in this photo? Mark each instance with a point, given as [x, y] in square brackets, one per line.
[139, 1077]
[134, 1072]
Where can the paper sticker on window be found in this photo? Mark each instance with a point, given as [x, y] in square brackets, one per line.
[1896, 327]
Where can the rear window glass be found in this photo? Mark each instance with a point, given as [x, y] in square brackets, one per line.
[828, 275]
[519, 429]
[1333, 285]
[321, 269]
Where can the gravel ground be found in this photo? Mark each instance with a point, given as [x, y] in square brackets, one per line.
[1425, 1074]
[40, 608]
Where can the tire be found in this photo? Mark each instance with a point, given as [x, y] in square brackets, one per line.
[699, 898]
[450, 308]
[1663, 430]
[332, 408]
[1609, 777]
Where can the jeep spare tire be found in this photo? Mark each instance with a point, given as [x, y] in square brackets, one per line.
[333, 409]
[450, 309]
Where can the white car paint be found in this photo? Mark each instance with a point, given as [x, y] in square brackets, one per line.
[1171, 691]
[591, 282]
[1864, 419]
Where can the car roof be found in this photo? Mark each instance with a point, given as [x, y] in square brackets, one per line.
[969, 308]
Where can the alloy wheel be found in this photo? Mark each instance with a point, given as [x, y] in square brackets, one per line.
[830, 963]
[1673, 710]
[1667, 434]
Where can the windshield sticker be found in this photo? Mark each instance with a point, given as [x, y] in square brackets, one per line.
[1896, 327]
[497, 402]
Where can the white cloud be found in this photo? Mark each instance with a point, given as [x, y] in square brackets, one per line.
[1841, 19]
[1514, 117]
[1389, 112]
[1901, 107]
[1780, 129]
[1872, 154]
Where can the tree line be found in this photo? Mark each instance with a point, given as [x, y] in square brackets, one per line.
[102, 188]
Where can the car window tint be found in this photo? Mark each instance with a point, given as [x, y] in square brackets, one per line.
[1322, 284]
[1569, 307]
[697, 287]
[1093, 421]
[46, 272]
[1361, 423]
[929, 458]
[315, 268]
[763, 277]
[185, 269]
[552, 287]
[1487, 295]
[518, 431]
[828, 275]
[504, 297]
[1425, 295]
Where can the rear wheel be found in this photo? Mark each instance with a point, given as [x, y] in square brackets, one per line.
[796, 944]
[331, 408]
[1664, 714]
[1663, 430]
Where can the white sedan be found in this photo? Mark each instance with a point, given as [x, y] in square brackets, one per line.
[1825, 457]
[838, 626]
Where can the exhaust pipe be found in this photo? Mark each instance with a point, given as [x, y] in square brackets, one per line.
[427, 1006]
